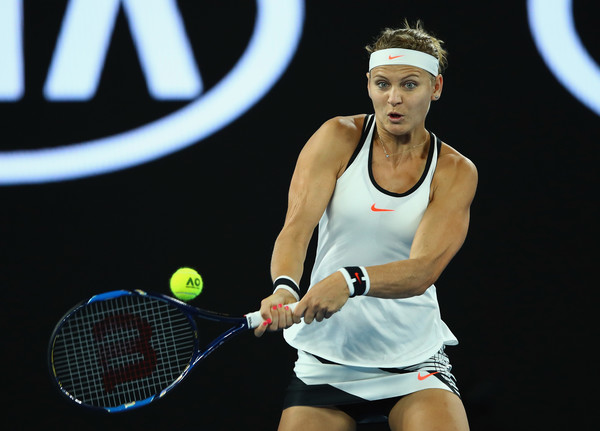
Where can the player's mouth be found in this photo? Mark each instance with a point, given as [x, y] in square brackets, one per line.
[394, 116]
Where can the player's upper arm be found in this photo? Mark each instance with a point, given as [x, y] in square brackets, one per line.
[320, 163]
[444, 226]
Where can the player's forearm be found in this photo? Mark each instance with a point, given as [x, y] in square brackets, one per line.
[401, 279]
[289, 254]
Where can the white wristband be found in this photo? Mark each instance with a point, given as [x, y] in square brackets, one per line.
[348, 281]
[357, 279]
[287, 283]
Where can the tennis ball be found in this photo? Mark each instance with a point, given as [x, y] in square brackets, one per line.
[186, 284]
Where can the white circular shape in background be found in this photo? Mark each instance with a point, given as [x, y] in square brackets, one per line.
[273, 43]
[555, 35]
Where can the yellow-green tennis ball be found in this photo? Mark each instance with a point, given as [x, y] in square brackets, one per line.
[186, 284]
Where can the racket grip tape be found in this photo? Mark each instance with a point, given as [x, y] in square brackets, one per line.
[255, 319]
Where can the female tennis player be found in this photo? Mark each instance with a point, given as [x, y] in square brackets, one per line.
[392, 205]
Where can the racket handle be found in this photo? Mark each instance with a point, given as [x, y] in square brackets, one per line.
[255, 319]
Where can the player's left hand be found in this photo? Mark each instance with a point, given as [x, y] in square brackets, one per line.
[324, 299]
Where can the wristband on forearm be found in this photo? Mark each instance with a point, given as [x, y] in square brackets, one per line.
[357, 280]
[287, 283]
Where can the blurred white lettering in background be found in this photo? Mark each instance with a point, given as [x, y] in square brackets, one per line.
[168, 66]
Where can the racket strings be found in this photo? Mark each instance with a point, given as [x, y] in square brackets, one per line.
[126, 349]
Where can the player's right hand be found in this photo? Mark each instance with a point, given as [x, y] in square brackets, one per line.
[276, 313]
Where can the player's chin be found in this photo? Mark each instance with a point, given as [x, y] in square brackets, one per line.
[398, 127]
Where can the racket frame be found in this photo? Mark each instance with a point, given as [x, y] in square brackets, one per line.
[240, 324]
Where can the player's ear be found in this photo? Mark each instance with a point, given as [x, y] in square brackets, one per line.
[368, 82]
[438, 84]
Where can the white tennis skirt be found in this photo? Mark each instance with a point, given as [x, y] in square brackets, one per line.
[319, 382]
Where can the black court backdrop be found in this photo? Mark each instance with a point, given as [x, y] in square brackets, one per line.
[519, 295]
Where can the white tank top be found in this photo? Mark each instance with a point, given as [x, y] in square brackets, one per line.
[367, 225]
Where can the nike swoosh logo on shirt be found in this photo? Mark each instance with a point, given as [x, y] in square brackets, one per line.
[373, 208]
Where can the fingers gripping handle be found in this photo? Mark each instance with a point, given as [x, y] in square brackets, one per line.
[255, 319]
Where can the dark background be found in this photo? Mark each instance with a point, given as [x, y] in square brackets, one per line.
[519, 295]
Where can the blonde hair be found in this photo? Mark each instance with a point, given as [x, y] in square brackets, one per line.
[409, 37]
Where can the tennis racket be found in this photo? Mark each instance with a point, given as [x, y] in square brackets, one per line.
[123, 349]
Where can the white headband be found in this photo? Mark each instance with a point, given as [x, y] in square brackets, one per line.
[408, 57]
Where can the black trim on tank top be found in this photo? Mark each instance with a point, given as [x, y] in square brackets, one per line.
[366, 127]
[437, 143]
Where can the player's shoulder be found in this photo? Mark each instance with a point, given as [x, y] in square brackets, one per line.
[452, 163]
[334, 142]
[344, 127]
[338, 135]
